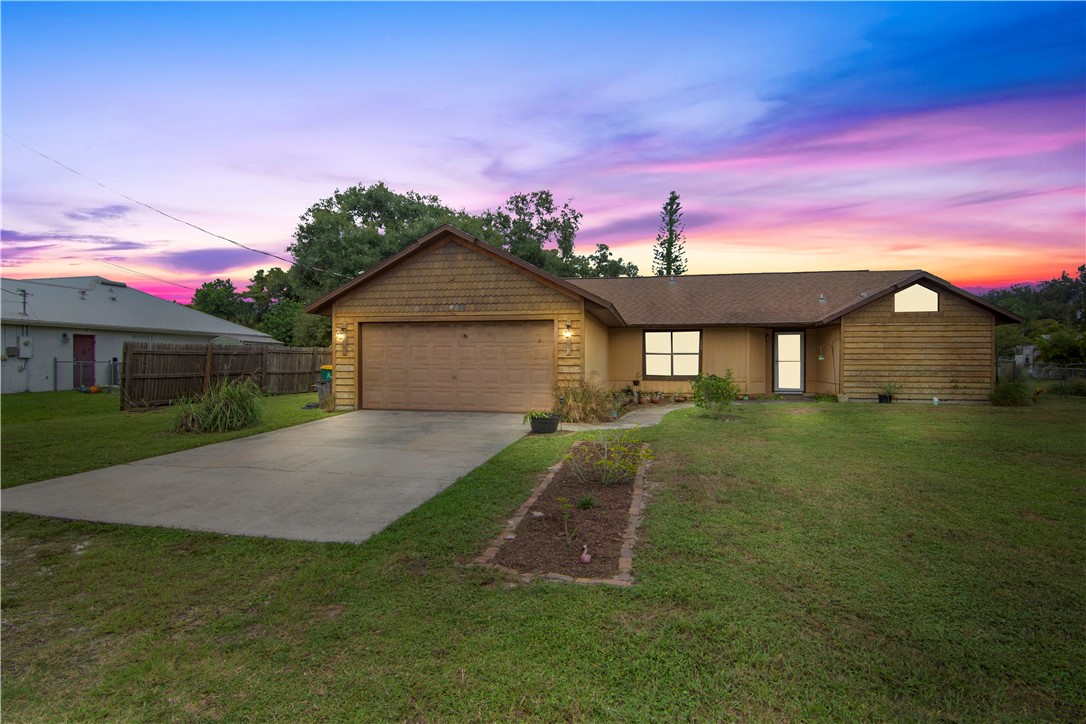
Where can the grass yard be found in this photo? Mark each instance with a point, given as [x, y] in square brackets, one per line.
[48, 434]
[808, 561]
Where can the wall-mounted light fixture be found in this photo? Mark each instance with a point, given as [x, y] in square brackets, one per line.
[341, 335]
[64, 338]
[568, 334]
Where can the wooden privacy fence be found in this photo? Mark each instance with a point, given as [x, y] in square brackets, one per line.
[155, 374]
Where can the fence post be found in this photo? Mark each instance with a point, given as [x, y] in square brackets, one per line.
[126, 368]
[55, 388]
[207, 368]
[264, 376]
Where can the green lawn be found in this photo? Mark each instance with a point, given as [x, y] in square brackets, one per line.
[48, 434]
[808, 561]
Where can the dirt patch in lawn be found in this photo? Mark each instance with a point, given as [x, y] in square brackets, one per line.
[548, 533]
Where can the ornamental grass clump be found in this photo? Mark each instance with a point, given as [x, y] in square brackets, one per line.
[227, 406]
[586, 401]
[609, 461]
[1011, 394]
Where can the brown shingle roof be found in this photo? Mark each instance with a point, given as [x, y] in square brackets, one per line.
[776, 299]
[772, 299]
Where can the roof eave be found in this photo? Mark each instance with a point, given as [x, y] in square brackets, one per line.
[123, 328]
[1008, 316]
[323, 305]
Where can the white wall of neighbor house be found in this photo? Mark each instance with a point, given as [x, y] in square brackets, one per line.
[36, 372]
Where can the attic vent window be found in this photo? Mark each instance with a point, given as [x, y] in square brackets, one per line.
[916, 299]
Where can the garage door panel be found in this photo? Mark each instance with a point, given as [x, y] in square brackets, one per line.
[484, 366]
[539, 378]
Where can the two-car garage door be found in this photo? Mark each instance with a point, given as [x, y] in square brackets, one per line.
[471, 366]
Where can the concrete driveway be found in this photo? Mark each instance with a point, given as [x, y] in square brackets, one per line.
[339, 479]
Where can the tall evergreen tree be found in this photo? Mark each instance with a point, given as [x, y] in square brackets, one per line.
[668, 256]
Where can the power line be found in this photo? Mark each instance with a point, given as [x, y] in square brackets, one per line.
[170, 216]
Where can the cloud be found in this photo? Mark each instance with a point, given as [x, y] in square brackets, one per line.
[988, 198]
[211, 261]
[18, 241]
[99, 213]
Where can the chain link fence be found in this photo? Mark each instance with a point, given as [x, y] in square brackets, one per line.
[1067, 379]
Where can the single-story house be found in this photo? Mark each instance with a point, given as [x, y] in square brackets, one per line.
[69, 332]
[453, 323]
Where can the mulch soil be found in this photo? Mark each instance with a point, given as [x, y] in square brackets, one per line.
[541, 546]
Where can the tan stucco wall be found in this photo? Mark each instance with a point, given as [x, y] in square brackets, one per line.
[447, 282]
[759, 359]
[741, 349]
[822, 375]
[596, 354]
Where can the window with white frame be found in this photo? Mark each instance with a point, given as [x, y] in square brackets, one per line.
[673, 353]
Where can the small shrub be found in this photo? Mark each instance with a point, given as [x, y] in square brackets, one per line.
[714, 393]
[825, 397]
[1011, 394]
[228, 405]
[717, 410]
[586, 503]
[609, 461]
[535, 415]
[565, 506]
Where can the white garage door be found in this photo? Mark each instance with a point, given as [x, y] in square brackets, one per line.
[471, 366]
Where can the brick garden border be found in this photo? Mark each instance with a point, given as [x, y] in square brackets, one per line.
[624, 577]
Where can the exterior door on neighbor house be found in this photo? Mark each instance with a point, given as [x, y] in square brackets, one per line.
[83, 354]
[788, 361]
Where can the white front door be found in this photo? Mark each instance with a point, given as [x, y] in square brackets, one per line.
[788, 361]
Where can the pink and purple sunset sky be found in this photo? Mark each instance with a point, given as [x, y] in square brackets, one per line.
[949, 137]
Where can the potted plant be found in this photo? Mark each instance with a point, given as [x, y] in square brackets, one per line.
[542, 422]
[889, 390]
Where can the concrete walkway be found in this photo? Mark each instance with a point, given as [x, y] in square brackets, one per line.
[339, 479]
[644, 416]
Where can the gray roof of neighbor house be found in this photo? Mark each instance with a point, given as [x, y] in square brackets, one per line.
[769, 299]
[97, 303]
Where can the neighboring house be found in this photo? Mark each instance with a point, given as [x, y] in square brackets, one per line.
[69, 332]
[453, 323]
[1025, 355]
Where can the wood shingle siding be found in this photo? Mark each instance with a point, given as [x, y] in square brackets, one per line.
[948, 354]
[450, 282]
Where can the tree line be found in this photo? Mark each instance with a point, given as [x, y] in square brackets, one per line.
[353, 230]
[1054, 314]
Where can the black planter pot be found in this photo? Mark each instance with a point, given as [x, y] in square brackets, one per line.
[546, 424]
[885, 399]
